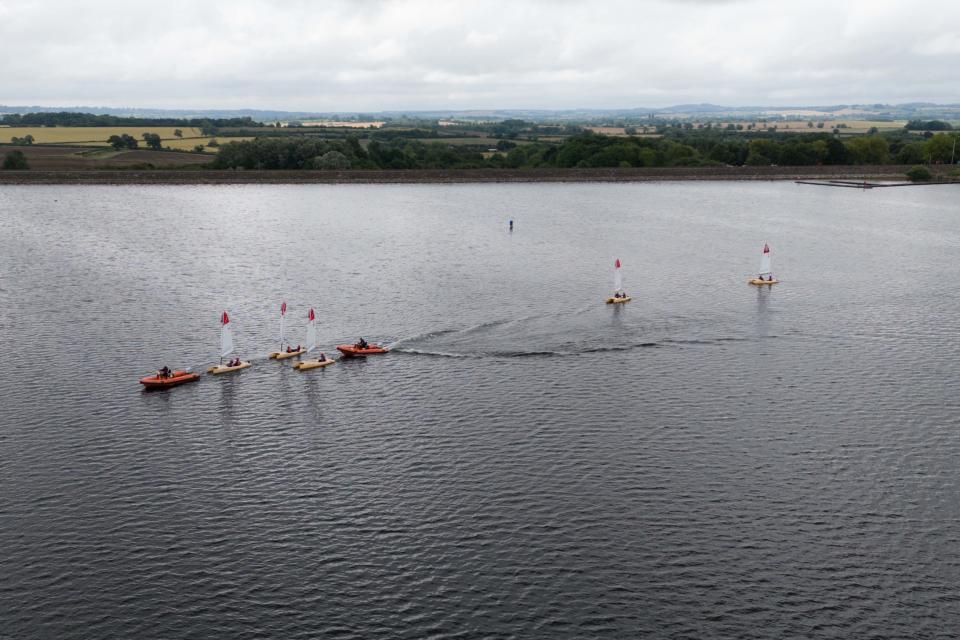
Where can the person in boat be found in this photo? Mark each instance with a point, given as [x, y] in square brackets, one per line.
[165, 372]
[322, 357]
[362, 344]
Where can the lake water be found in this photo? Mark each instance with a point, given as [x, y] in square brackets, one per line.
[710, 460]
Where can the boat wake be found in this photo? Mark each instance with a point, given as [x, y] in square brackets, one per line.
[558, 335]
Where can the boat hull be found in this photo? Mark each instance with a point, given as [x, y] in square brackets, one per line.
[224, 369]
[178, 378]
[350, 350]
[306, 365]
[618, 300]
[759, 282]
[283, 355]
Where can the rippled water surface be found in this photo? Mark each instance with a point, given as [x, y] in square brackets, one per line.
[710, 460]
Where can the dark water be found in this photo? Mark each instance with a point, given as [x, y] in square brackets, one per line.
[711, 460]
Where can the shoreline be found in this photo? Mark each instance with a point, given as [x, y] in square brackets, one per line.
[941, 175]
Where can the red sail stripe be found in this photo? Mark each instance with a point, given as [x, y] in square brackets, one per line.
[618, 263]
[225, 320]
[312, 317]
[283, 309]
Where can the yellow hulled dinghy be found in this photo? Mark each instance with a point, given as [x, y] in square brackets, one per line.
[223, 368]
[306, 365]
[315, 363]
[766, 275]
[618, 297]
[283, 354]
[226, 348]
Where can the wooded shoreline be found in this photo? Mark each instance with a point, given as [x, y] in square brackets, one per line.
[941, 174]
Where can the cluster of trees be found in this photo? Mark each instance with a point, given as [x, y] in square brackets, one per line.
[317, 153]
[71, 119]
[27, 139]
[584, 150]
[126, 141]
[928, 125]
[593, 150]
[15, 161]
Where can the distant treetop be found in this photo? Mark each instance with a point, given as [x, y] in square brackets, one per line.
[70, 119]
[928, 125]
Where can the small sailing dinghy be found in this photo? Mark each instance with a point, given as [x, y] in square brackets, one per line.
[226, 348]
[316, 363]
[618, 297]
[290, 352]
[766, 275]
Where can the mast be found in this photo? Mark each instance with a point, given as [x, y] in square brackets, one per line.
[617, 277]
[283, 314]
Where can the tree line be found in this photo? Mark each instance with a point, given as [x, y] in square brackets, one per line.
[928, 125]
[71, 119]
[586, 150]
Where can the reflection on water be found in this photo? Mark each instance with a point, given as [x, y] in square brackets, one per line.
[710, 460]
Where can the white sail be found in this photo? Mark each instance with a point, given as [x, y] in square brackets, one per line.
[617, 278]
[226, 336]
[283, 315]
[765, 261]
[311, 331]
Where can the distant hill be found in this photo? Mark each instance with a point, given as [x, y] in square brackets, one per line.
[904, 111]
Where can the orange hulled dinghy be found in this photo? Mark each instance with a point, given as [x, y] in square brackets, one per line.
[316, 363]
[618, 297]
[766, 275]
[165, 378]
[226, 348]
[361, 348]
[288, 352]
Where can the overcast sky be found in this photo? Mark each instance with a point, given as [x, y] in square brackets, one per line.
[369, 55]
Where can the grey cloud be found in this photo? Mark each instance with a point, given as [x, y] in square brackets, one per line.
[409, 54]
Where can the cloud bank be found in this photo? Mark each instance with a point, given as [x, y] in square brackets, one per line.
[370, 55]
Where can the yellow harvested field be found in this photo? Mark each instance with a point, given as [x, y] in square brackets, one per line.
[794, 126]
[622, 131]
[340, 124]
[608, 131]
[90, 135]
[97, 136]
[188, 144]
